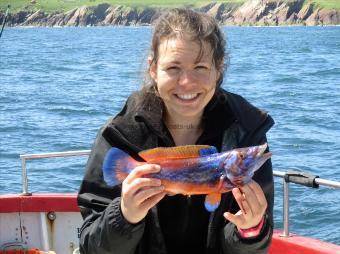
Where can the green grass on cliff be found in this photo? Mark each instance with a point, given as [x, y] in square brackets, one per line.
[327, 4]
[65, 5]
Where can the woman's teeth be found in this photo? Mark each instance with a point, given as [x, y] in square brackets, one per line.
[187, 96]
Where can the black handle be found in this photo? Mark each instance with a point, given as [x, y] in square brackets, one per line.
[301, 178]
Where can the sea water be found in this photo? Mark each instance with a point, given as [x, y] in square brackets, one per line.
[59, 85]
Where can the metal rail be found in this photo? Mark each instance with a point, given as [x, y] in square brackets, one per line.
[297, 177]
[25, 157]
[301, 178]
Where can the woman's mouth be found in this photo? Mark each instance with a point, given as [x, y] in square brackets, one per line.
[188, 97]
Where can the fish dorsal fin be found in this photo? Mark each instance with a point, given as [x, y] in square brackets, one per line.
[177, 152]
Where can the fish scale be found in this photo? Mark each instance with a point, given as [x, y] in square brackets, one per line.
[206, 170]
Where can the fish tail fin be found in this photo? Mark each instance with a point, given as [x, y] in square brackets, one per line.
[116, 166]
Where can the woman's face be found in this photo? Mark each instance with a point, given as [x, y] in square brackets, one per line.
[186, 84]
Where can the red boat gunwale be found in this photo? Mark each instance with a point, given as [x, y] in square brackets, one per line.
[296, 244]
[57, 202]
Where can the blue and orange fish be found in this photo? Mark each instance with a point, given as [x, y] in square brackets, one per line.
[191, 170]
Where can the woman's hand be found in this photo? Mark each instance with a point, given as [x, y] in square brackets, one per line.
[253, 204]
[139, 194]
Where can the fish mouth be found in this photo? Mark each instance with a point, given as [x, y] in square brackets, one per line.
[262, 149]
[266, 156]
[261, 155]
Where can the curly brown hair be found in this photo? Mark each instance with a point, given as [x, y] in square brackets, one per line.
[195, 26]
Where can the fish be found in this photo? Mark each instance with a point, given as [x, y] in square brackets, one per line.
[191, 169]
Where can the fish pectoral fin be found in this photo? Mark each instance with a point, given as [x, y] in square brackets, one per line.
[212, 201]
[178, 152]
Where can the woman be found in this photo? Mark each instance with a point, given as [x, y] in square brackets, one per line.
[183, 104]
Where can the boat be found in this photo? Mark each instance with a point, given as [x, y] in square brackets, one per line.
[49, 223]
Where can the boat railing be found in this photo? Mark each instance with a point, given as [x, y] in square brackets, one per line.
[301, 178]
[289, 176]
[25, 157]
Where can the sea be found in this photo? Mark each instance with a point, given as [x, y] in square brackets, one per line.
[58, 86]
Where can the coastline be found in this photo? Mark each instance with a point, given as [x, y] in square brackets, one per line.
[249, 13]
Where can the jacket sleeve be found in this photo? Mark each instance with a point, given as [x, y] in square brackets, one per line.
[232, 242]
[104, 229]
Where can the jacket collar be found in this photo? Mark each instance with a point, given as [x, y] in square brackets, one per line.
[223, 102]
[146, 107]
[151, 110]
[249, 117]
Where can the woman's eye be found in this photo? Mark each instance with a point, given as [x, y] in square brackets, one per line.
[172, 68]
[201, 67]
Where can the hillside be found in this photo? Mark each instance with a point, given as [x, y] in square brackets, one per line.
[110, 12]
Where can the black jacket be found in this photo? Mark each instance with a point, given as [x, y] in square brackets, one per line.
[229, 122]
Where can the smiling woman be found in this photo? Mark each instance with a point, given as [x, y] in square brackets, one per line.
[185, 83]
[186, 67]
[182, 104]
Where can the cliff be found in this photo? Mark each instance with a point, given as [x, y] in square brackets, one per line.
[252, 12]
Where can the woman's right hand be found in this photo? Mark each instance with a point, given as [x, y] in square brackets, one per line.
[139, 194]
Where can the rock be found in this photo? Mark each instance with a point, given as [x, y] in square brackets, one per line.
[313, 19]
[18, 18]
[129, 16]
[206, 8]
[294, 7]
[99, 11]
[36, 18]
[247, 12]
[329, 17]
[147, 16]
[121, 15]
[257, 12]
[223, 12]
[293, 19]
[81, 17]
[216, 11]
[305, 11]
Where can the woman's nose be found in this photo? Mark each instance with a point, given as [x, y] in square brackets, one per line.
[186, 77]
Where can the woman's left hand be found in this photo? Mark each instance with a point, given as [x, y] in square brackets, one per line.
[253, 204]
